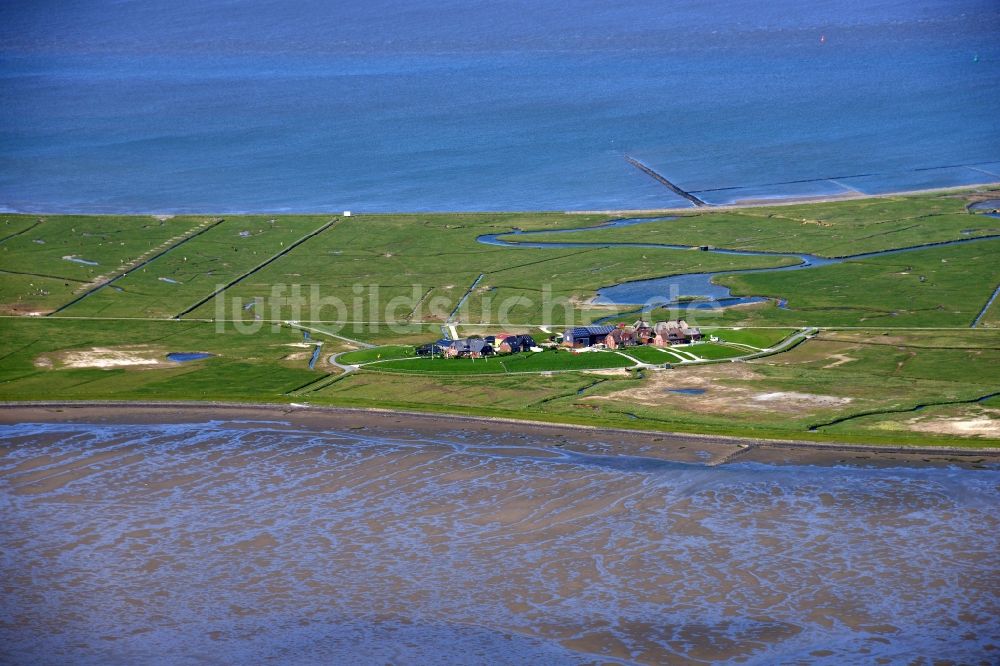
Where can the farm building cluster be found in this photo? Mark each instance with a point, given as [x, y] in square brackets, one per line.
[660, 334]
[478, 347]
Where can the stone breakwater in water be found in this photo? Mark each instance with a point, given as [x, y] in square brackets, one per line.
[253, 541]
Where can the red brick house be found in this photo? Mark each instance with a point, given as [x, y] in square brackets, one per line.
[620, 337]
[674, 333]
[644, 333]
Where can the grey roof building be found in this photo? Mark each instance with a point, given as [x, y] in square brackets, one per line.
[585, 336]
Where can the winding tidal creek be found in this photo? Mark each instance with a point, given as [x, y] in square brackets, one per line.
[663, 291]
[263, 542]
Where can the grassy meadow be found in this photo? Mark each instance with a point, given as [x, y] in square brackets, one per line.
[836, 375]
[871, 375]
[941, 286]
[66, 359]
[832, 229]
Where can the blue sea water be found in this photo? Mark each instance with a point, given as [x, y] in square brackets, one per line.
[257, 105]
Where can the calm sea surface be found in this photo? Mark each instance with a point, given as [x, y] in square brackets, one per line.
[260, 105]
[259, 542]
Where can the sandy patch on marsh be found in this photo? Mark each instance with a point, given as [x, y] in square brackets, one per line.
[105, 357]
[728, 388]
[841, 359]
[804, 398]
[984, 424]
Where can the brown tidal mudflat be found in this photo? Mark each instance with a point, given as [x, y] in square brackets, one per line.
[679, 447]
[285, 536]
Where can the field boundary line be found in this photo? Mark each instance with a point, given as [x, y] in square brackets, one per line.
[258, 267]
[144, 263]
[43, 275]
[468, 292]
[19, 233]
[986, 308]
[298, 325]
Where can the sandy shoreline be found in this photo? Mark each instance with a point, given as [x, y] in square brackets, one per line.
[745, 203]
[790, 200]
[506, 433]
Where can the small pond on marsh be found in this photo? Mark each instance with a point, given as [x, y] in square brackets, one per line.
[78, 260]
[183, 357]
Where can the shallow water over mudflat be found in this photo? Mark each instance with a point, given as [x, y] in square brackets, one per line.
[383, 106]
[256, 542]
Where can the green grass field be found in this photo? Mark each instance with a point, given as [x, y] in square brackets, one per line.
[649, 354]
[383, 353]
[706, 351]
[944, 286]
[713, 351]
[546, 361]
[755, 337]
[405, 360]
[876, 384]
[36, 267]
[836, 375]
[46, 359]
[832, 229]
[196, 268]
[423, 265]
